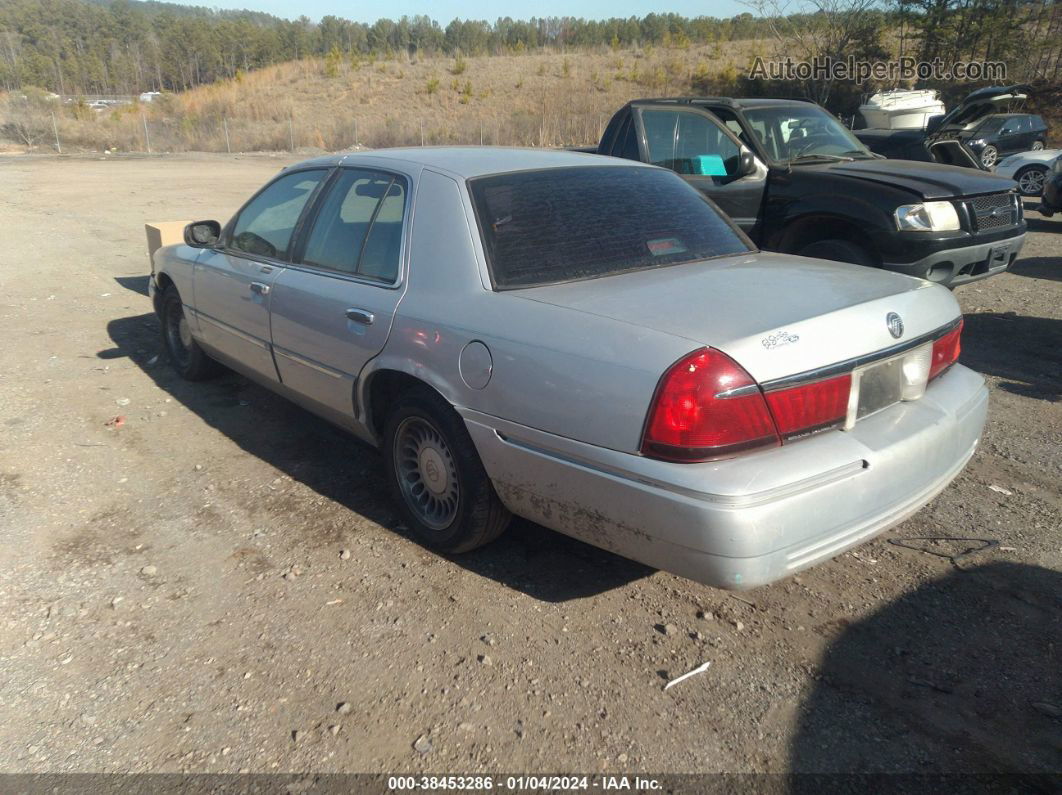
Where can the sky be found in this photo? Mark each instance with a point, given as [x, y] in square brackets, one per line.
[444, 10]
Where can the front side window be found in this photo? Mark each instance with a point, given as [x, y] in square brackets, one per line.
[359, 227]
[690, 143]
[265, 226]
[563, 224]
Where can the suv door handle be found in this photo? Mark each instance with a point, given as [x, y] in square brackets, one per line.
[258, 287]
[361, 316]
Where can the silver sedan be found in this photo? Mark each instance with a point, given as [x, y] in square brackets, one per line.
[585, 342]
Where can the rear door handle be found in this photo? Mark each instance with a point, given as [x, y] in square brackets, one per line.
[361, 316]
[258, 287]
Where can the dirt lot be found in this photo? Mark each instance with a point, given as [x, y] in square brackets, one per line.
[173, 595]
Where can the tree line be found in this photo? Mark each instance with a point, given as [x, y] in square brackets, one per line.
[126, 46]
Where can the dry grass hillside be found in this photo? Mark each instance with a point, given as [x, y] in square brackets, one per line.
[537, 99]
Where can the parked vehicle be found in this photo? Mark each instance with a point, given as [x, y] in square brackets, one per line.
[587, 343]
[1051, 202]
[901, 109]
[796, 181]
[974, 133]
[1029, 169]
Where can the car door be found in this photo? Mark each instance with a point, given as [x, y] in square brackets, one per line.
[703, 152]
[233, 281]
[1010, 136]
[331, 311]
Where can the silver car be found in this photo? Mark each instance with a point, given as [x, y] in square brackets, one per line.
[1029, 169]
[585, 342]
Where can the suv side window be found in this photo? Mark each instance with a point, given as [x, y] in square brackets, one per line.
[358, 229]
[265, 225]
[628, 148]
[690, 144]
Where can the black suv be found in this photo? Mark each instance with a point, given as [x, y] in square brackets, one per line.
[796, 180]
[1005, 134]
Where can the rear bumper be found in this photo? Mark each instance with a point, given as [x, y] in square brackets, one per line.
[751, 520]
[952, 267]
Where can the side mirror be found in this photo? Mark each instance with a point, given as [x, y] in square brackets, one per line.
[202, 234]
[933, 122]
[747, 162]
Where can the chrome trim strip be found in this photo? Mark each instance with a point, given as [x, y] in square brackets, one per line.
[321, 368]
[740, 391]
[234, 331]
[830, 370]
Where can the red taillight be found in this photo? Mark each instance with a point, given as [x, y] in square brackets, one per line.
[693, 419]
[945, 352]
[809, 407]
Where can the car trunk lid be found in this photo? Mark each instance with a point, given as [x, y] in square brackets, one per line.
[777, 315]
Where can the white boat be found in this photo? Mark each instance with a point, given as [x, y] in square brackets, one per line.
[901, 109]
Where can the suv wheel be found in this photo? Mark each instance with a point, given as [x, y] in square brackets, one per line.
[436, 477]
[1038, 146]
[838, 251]
[1031, 180]
[989, 156]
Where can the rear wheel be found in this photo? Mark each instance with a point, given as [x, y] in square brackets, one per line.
[989, 156]
[436, 477]
[1031, 180]
[838, 251]
[1038, 146]
[188, 359]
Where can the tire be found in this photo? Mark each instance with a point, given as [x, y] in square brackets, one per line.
[1037, 146]
[187, 358]
[838, 251]
[1031, 180]
[436, 477]
[989, 156]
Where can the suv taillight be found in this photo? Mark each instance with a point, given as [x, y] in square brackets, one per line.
[945, 352]
[707, 407]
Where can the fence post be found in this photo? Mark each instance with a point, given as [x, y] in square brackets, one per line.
[291, 133]
[225, 125]
[422, 133]
[55, 129]
[356, 142]
[147, 138]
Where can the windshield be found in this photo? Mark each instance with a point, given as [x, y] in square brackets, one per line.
[789, 132]
[562, 224]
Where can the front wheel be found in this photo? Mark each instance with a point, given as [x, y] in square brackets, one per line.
[838, 251]
[187, 358]
[436, 477]
[1031, 180]
[1038, 146]
[989, 156]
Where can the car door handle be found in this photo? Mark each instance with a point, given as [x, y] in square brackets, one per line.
[258, 287]
[361, 316]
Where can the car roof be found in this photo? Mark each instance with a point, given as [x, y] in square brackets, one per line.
[472, 161]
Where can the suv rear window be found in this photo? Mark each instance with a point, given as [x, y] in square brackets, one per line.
[563, 224]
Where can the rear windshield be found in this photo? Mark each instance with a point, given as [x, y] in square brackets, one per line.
[562, 224]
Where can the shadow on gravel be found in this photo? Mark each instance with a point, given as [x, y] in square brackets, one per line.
[1027, 351]
[963, 675]
[1038, 268]
[138, 284]
[529, 558]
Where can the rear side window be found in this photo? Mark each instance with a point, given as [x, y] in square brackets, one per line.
[562, 224]
[358, 229]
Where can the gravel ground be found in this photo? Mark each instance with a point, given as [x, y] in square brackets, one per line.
[215, 585]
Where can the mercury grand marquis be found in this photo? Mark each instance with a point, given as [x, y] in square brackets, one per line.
[585, 342]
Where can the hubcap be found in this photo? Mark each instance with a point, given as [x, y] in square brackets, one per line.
[1032, 182]
[988, 157]
[184, 332]
[427, 474]
[1038, 145]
